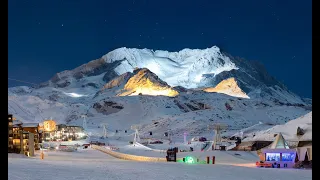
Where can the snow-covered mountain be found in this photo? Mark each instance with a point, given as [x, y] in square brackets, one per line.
[144, 82]
[189, 68]
[160, 90]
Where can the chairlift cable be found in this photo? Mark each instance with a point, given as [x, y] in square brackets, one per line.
[22, 81]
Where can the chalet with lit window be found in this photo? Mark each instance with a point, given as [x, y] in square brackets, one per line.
[10, 133]
[21, 136]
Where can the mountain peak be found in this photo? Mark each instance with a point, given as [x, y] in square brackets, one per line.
[188, 68]
[228, 86]
[183, 68]
[147, 83]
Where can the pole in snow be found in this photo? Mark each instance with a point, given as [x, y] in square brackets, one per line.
[185, 137]
[84, 123]
[136, 137]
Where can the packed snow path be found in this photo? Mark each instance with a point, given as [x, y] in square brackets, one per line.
[95, 165]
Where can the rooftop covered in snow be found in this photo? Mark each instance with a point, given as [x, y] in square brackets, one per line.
[288, 130]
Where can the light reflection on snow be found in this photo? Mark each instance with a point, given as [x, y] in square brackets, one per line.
[198, 78]
[154, 67]
[74, 95]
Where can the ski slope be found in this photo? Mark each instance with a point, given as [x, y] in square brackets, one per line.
[92, 164]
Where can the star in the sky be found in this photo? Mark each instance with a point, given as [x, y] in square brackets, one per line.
[61, 25]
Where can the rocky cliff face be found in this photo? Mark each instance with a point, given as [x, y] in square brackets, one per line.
[229, 87]
[145, 82]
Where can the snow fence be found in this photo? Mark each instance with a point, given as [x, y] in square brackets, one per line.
[128, 156]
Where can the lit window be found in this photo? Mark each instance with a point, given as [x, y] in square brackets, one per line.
[272, 156]
[288, 156]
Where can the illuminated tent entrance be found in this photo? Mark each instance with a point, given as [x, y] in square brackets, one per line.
[279, 154]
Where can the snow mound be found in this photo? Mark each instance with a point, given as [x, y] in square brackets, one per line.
[288, 130]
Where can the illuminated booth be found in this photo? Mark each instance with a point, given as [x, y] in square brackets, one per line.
[278, 154]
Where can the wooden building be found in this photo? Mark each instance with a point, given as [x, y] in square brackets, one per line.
[10, 133]
[252, 145]
[74, 132]
[21, 137]
[69, 132]
[61, 132]
[33, 128]
[257, 145]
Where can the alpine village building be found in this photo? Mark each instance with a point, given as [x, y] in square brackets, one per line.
[25, 138]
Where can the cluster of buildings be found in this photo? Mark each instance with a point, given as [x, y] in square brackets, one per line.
[25, 138]
[280, 153]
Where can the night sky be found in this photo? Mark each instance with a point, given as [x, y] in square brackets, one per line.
[49, 36]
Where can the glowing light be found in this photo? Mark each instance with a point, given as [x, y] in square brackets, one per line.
[189, 160]
[155, 92]
[154, 67]
[81, 134]
[49, 125]
[74, 95]
[230, 87]
[147, 87]
[198, 78]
